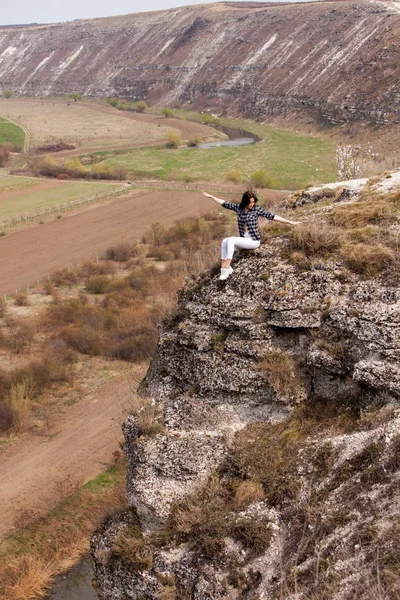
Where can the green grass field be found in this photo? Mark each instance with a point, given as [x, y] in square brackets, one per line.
[11, 133]
[37, 194]
[293, 160]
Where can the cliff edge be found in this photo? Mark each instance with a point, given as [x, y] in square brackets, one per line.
[270, 468]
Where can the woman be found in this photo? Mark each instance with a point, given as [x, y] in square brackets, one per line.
[248, 214]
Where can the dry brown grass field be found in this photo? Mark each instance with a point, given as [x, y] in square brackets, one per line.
[90, 126]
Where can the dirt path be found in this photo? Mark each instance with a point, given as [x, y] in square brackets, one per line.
[37, 472]
[32, 254]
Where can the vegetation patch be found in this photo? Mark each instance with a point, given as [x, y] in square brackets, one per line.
[11, 134]
[279, 369]
[44, 547]
[280, 150]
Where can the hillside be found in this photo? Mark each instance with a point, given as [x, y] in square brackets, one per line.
[335, 60]
[267, 464]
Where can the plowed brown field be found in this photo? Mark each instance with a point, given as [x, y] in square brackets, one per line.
[32, 254]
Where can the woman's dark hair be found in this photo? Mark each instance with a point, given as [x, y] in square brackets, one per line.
[246, 199]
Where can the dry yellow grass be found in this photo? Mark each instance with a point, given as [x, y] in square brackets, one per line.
[368, 260]
[30, 559]
[20, 400]
[314, 239]
[279, 369]
[249, 491]
[372, 211]
[78, 124]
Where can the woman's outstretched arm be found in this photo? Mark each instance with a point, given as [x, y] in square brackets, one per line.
[282, 220]
[213, 198]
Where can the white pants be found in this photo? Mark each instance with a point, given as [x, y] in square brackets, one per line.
[229, 244]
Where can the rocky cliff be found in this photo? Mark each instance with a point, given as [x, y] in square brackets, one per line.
[338, 61]
[271, 466]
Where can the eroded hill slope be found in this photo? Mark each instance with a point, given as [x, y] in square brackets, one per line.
[339, 59]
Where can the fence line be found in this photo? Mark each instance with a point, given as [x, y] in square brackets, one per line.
[149, 184]
[58, 209]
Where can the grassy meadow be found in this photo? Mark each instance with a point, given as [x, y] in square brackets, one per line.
[290, 159]
[11, 133]
[22, 195]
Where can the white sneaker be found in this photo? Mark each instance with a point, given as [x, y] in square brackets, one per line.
[230, 270]
[225, 273]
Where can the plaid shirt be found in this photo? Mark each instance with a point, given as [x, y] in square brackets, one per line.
[249, 218]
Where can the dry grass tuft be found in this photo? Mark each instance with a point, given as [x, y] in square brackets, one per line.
[367, 260]
[148, 416]
[279, 369]
[249, 491]
[32, 577]
[314, 240]
[20, 401]
[373, 211]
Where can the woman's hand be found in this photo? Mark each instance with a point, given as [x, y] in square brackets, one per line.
[283, 220]
[213, 198]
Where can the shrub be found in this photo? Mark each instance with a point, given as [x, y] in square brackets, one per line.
[8, 94]
[20, 402]
[48, 167]
[40, 375]
[254, 534]
[90, 268]
[102, 171]
[141, 106]
[75, 96]
[367, 260]
[85, 339]
[155, 235]
[21, 299]
[234, 175]
[112, 102]
[168, 113]
[210, 120]
[20, 334]
[97, 284]
[55, 147]
[69, 311]
[173, 139]
[261, 179]
[194, 141]
[74, 168]
[119, 253]
[64, 277]
[135, 345]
